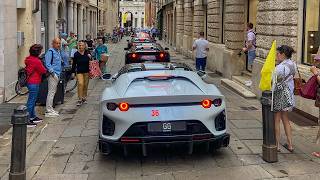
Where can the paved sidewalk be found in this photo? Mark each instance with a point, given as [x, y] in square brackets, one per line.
[66, 147]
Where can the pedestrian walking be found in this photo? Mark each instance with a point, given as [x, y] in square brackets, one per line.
[283, 93]
[80, 67]
[100, 54]
[35, 70]
[72, 44]
[54, 64]
[201, 46]
[89, 42]
[315, 70]
[250, 45]
[64, 49]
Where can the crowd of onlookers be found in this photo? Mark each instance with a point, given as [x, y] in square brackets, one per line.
[66, 52]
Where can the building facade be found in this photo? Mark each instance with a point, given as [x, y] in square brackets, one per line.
[151, 12]
[108, 15]
[134, 11]
[291, 22]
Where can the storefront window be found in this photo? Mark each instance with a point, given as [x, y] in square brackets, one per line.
[312, 30]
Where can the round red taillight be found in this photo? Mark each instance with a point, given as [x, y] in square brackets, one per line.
[123, 106]
[161, 55]
[206, 103]
[112, 106]
[217, 102]
[133, 55]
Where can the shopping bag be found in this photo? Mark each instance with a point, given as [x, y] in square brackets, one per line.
[309, 90]
[95, 71]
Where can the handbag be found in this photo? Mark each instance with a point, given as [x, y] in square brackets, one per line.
[298, 83]
[94, 69]
[282, 98]
[309, 89]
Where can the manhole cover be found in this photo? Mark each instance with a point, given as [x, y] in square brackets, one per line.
[68, 111]
[249, 108]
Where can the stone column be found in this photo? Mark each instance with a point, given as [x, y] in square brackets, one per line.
[8, 49]
[75, 19]
[88, 21]
[84, 24]
[80, 22]
[70, 16]
[187, 37]
[214, 21]
[198, 18]
[235, 24]
[179, 24]
[52, 25]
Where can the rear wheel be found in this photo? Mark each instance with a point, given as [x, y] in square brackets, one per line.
[20, 90]
[71, 85]
[105, 148]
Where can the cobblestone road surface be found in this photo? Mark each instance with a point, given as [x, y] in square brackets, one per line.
[66, 147]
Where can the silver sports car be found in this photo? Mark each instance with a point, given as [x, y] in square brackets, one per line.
[161, 103]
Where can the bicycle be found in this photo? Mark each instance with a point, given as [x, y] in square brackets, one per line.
[20, 90]
[70, 82]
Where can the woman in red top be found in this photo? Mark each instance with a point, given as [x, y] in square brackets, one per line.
[35, 70]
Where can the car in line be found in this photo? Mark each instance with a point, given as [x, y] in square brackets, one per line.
[146, 52]
[160, 103]
[139, 40]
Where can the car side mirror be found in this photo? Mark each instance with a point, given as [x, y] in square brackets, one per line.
[126, 49]
[106, 76]
[202, 74]
[167, 49]
[127, 40]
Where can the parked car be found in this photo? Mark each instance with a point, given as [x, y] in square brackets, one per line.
[146, 52]
[160, 103]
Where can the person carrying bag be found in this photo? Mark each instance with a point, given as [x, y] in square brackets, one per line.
[283, 96]
[315, 70]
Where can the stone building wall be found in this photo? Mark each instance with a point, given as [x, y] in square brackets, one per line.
[8, 49]
[280, 20]
[234, 24]
[214, 21]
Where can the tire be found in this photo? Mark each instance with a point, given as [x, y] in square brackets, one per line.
[20, 90]
[71, 85]
[105, 148]
[114, 40]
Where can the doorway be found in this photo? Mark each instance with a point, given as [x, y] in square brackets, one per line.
[252, 10]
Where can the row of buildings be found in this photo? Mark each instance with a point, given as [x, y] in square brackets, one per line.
[291, 22]
[25, 22]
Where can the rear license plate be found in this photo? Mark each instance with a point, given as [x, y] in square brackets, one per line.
[148, 58]
[167, 126]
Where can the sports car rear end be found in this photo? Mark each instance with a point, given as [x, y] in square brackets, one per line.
[163, 109]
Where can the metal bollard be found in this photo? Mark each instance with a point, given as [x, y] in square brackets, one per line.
[19, 136]
[269, 148]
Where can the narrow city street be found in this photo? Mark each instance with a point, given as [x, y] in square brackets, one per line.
[66, 147]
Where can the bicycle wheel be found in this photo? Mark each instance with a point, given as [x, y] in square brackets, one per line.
[71, 85]
[21, 90]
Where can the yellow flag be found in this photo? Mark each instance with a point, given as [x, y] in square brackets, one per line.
[268, 68]
[124, 17]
